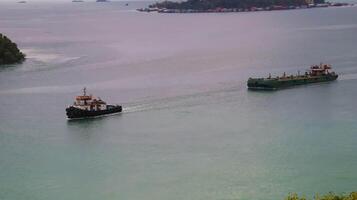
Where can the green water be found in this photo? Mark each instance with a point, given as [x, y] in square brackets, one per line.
[190, 129]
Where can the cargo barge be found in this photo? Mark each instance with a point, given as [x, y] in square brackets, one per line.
[316, 74]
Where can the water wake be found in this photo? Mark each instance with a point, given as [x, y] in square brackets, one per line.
[331, 27]
[345, 77]
[184, 101]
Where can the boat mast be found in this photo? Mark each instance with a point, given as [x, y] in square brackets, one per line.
[84, 91]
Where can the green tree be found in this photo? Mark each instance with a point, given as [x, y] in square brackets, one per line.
[9, 52]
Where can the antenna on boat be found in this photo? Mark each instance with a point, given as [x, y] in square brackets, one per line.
[84, 91]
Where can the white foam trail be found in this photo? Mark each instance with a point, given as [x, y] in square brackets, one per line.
[40, 89]
[47, 57]
[348, 77]
[61, 89]
[40, 55]
[137, 108]
[331, 27]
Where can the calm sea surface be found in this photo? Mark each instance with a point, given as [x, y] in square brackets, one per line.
[190, 129]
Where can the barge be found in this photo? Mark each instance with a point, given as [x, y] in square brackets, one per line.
[316, 74]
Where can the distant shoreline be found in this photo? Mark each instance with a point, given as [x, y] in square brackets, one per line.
[250, 9]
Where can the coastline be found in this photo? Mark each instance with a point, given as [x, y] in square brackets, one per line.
[251, 9]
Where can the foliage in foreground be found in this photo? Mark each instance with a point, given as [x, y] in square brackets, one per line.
[9, 53]
[329, 196]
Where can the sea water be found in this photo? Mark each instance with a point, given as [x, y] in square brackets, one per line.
[190, 128]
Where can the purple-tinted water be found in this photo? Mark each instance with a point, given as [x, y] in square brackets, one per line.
[190, 129]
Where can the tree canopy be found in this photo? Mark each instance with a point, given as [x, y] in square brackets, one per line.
[9, 53]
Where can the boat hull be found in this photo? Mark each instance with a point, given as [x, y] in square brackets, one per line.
[279, 83]
[75, 113]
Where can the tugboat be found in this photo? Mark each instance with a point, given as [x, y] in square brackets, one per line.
[316, 74]
[89, 106]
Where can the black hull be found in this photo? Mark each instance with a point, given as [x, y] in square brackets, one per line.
[275, 84]
[75, 113]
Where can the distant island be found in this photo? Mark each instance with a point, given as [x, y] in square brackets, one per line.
[329, 196]
[9, 53]
[192, 6]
